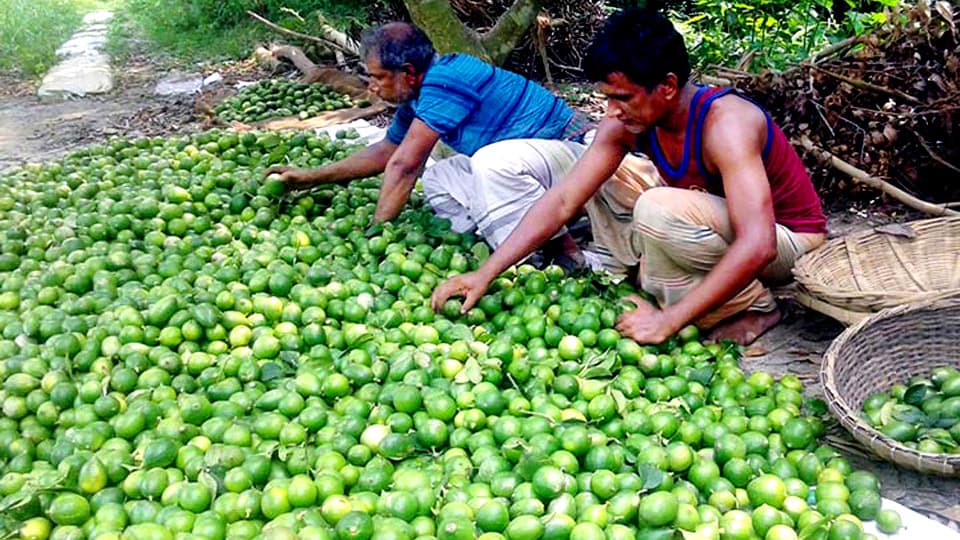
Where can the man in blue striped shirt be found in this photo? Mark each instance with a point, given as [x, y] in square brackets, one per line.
[513, 137]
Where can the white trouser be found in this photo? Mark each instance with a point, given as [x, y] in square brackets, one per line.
[491, 191]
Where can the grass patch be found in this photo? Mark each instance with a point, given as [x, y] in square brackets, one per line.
[31, 31]
[198, 45]
[216, 30]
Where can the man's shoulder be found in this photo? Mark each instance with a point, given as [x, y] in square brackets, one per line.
[734, 113]
[458, 67]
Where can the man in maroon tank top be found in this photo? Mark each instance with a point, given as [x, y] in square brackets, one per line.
[730, 211]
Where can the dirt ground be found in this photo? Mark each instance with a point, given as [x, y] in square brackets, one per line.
[32, 131]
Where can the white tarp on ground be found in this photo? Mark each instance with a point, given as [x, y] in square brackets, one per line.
[84, 68]
[369, 133]
[916, 526]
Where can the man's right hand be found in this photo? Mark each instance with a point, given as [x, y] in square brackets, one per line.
[293, 177]
[471, 286]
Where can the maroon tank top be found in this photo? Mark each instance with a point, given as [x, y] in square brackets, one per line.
[796, 204]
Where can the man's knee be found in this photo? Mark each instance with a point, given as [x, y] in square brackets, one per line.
[444, 175]
[497, 161]
[654, 208]
[525, 162]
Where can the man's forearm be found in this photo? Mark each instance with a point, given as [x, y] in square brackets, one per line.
[540, 223]
[398, 182]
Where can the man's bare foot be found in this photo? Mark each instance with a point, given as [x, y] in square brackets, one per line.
[564, 251]
[745, 327]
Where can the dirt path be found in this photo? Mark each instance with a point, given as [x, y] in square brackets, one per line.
[31, 130]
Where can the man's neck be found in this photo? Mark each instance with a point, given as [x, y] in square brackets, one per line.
[675, 121]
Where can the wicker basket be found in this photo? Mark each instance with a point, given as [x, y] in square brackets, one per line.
[884, 349]
[872, 270]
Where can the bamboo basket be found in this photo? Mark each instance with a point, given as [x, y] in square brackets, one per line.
[868, 271]
[887, 348]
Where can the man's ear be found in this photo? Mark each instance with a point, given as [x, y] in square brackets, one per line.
[409, 71]
[669, 86]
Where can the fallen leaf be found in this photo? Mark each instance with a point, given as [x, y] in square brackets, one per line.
[897, 229]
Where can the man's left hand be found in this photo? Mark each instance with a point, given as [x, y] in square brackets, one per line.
[645, 324]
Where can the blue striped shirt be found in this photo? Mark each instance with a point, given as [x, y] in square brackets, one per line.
[472, 104]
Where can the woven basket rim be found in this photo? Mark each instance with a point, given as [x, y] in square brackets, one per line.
[851, 420]
[868, 299]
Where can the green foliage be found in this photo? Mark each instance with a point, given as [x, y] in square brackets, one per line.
[199, 29]
[777, 33]
[31, 31]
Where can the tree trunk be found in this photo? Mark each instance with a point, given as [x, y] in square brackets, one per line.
[449, 34]
[503, 37]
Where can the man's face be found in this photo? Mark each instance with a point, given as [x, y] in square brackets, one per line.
[390, 86]
[632, 104]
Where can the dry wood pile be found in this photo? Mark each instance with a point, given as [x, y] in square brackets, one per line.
[882, 107]
[562, 33]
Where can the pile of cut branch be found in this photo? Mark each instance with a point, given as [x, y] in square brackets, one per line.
[560, 35]
[881, 109]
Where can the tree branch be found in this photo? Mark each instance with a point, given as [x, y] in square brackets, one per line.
[343, 41]
[294, 33]
[935, 156]
[864, 85]
[835, 48]
[543, 28]
[500, 40]
[299, 59]
[876, 183]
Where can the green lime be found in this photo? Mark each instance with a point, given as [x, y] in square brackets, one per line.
[888, 521]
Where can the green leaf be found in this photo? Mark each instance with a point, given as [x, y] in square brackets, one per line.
[472, 372]
[703, 375]
[916, 394]
[886, 412]
[652, 476]
[812, 528]
[910, 415]
[620, 399]
[939, 435]
[817, 407]
[600, 365]
[208, 480]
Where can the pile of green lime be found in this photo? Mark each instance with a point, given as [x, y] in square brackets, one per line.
[187, 352]
[923, 414]
[278, 98]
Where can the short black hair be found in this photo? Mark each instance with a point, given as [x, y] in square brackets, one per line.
[642, 44]
[397, 44]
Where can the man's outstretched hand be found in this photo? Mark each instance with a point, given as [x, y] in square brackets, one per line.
[645, 324]
[292, 177]
[470, 286]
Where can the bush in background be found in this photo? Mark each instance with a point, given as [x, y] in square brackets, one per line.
[776, 33]
[211, 28]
